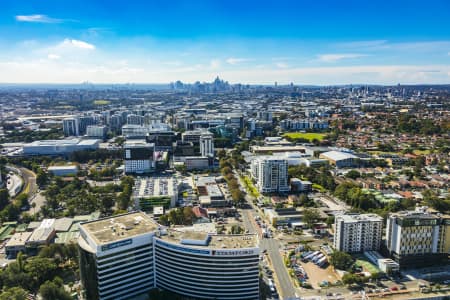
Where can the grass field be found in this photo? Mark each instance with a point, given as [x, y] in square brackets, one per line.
[367, 266]
[101, 102]
[305, 135]
[421, 152]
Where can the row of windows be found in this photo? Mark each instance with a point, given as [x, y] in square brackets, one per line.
[212, 259]
[231, 294]
[184, 269]
[105, 257]
[210, 281]
[123, 280]
[126, 271]
[144, 259]
[124, 257]
[208, 265]
[124, 292]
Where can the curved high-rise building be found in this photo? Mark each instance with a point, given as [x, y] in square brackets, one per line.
[127, 255]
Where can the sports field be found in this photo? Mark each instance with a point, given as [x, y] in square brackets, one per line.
[367, 266]
[305, 135]
[101, 102]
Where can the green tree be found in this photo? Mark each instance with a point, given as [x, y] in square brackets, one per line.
[41, 178]
[54, 290]
[4, 198]
[350, 278]
[311, 216]
[341, 260]
[14, 293]
[353, 174]
[41, 269]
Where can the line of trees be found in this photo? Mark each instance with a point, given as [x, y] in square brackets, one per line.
[226, 169]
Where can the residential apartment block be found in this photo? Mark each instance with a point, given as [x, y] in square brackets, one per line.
[270, 173]
[358, 232]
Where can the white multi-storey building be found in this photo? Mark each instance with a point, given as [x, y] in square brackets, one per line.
[126, 255]
[270, 173]
[71, 126]
[207, 144]
[97, 131]
[358, 232]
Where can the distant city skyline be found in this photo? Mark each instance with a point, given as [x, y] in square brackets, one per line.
[252, 42]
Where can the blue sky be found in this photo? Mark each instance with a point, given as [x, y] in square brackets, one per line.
[303, 41]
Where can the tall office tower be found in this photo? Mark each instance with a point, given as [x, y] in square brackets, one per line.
[139, 156]
[71, 126]
[207, 144]
[358, 232]
[418, 237]
[270, 173]
[135, 120]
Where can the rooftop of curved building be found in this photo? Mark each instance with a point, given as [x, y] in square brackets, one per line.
[121, 227]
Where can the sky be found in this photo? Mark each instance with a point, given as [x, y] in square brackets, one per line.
[256, 42]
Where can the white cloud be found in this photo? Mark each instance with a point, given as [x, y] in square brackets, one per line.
[215, 64]
[366, 45]
[282, 65]
[236, 61]
[53, 56]
[37, 19]
[338, 56]
[71, 43]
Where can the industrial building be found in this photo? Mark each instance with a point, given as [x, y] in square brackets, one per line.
[59, 147]
[127, 255]
[340, 159]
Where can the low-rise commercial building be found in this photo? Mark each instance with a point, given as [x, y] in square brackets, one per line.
[63, 170]
[17, 244]
[155, 191]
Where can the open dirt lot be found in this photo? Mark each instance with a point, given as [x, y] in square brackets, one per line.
[317, 275]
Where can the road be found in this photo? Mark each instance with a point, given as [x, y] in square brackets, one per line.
[282, 279]
[284, 283]
[29, 180]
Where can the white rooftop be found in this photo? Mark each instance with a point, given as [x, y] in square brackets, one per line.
[337, 155]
